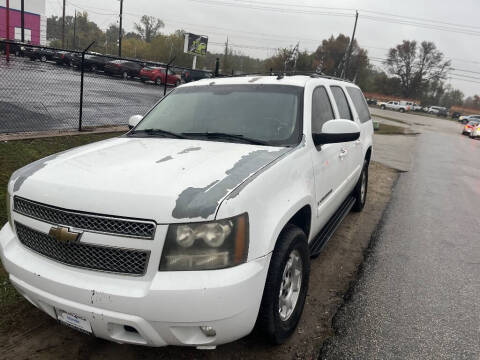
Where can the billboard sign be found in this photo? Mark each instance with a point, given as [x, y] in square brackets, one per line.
[195, 44]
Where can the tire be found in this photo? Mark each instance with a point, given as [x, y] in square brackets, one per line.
[291, 251]
[43, 58]
[177, 83]
[382, 107]
[93, 68]
[158, 81]
[402, 110]
[361, 189]
[125, 75]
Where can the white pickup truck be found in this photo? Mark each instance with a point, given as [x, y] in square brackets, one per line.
[198, 223]
[394, 105]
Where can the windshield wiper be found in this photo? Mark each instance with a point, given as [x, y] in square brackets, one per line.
[159, 132]
[220, 135]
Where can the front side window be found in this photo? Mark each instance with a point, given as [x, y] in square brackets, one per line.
[360, 103]
[322, 110]
[342, 103]
[271, 114]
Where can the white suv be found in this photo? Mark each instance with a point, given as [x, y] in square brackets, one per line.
[395, 106]
[201, 221]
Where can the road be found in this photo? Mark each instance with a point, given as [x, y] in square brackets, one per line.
[418, 294]
[36, 96]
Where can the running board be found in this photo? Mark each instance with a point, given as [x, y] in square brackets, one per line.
[319, 242]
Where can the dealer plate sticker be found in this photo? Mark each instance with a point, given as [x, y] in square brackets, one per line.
[73, 320]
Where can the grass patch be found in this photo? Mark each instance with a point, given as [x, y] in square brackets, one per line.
[18, 153]
[392, 119]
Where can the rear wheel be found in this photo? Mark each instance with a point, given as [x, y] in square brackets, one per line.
[286, 286]
[43, 58]
[125, 75]
[402, 110]
[360, 191]
[382, 107]
[158, 81]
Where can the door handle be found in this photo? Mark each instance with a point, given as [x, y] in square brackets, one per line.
[343, 153]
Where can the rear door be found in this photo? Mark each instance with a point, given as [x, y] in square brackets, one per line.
[349, 149]
[326, 160]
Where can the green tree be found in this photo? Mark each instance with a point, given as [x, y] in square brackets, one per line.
[148, 27]
[417, 67]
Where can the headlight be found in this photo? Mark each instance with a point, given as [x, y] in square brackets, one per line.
[206, 245]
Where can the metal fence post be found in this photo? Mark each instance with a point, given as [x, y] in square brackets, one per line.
[81, 86]
[166, 76]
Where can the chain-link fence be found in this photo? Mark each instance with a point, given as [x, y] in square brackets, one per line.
[41, 88]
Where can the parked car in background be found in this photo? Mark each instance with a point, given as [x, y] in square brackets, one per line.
[411, 105]
[466, 118]
[194, 75]
[438, 110]
[17, 48]
[124, 68]
[157, 75]
[41, 54]
[394, 105]
[63, 58]
[179, 232]
[372, 101]
[91, 62]
[475, 133]
[456, 115]
[467, 129]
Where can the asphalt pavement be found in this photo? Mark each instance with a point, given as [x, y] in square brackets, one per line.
[39, 96]
[418, 294]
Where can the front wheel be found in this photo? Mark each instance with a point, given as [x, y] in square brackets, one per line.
[125, 75]
[158, 81]
[382, 107]
[360, 191]
[286, 286]
[402, 110]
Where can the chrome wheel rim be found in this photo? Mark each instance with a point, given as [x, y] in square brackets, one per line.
[363, 188]
[290, 286]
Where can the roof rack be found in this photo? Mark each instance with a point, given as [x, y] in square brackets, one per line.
[281, 74]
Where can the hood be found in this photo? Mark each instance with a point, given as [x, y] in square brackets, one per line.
[166, 180]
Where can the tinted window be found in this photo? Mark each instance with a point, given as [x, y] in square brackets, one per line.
[360, 103]
[321, 109]
[342, 103]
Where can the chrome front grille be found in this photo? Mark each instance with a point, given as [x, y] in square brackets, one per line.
[85, 221]
[89, 256]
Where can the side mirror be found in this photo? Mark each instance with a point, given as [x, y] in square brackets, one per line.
[337, 131]
[134, 120]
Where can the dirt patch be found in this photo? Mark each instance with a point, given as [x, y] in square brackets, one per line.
[28, 333]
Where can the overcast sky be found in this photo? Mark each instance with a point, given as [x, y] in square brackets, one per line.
[255, 31]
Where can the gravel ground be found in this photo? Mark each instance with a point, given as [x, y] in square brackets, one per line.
[29, 333]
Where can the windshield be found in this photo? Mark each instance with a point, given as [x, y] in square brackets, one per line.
[270, 114]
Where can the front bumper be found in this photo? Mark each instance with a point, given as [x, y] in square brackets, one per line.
[167, 309]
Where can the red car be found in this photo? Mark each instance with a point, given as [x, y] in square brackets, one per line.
[157, 75]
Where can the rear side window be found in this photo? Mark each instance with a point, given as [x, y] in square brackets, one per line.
[321, 109]
[360, 103]
[342, 103]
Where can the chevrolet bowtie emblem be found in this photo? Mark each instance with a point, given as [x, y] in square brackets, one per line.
[63, 235]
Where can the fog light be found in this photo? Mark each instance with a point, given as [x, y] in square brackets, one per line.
[208, 331]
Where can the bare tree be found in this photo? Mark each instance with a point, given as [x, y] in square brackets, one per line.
[416, 66]
[148, 27]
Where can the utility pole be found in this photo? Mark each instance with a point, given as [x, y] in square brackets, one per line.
[7, 45]
[75, 30]
[63, 25]
[120, 31]
[347, 63]
[22, 19]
